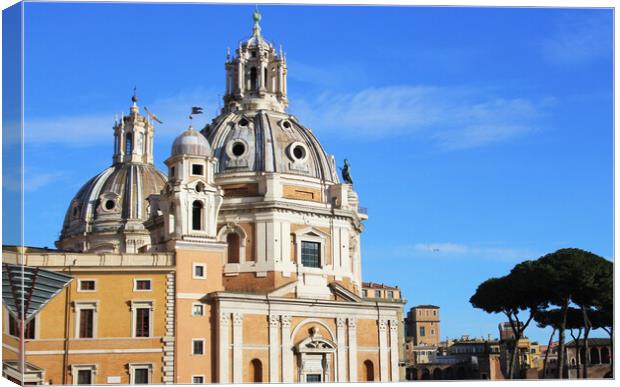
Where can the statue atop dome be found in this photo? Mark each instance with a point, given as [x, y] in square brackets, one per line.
[346, 173]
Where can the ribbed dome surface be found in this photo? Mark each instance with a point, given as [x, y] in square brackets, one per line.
[107, 201]
[268, 141]
[191, 142]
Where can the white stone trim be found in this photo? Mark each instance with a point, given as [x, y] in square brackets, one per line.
[394, 353]
[237, 348]
[274, 324]
[79, 285]
[202, 309]
[223, 347]
[83, 367]
[136, 304]
[341, 324]
[315, 321]
[135, 284]
[287, 349]
[352, 324]
[383, 349]
[198, 376]
[204, 270]
[134, 366]
[190, 296]
[85, 305]
[198, 340]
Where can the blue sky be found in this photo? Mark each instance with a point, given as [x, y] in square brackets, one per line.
[477, 137]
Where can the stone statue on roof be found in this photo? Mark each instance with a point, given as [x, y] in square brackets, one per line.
[346, 174]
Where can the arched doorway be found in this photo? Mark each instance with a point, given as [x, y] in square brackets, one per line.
[605, 355]
[594, 356]
[426, 374]
[412, 373]
[257, 371]
[369, 369]
[315, 355]
[437, 374]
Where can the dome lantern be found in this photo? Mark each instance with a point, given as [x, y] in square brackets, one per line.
[256, 76]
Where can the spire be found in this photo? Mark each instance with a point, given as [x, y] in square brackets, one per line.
[256, 16]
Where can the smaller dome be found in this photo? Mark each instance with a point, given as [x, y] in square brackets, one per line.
[191, 142]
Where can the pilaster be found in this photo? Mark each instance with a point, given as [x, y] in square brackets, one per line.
[352, 350]
[394, 350]
[223, 347]
[274, 324]
[341, 350]
[383, 350]
[237, 348]
[287, 352]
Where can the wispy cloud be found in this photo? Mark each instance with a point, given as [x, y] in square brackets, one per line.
[452, 250]
[457, 117]
[94, 128]
[577, 41]
[33, 180]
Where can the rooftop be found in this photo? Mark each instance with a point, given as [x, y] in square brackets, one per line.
[373, 285]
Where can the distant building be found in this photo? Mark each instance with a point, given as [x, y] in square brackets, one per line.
[422, 325]
[600, 358]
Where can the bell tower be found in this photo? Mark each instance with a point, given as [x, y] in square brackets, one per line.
[256, 77]
[133, 137]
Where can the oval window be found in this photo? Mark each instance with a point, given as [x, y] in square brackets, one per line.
[238, 149]
[286, 124]
[109, 204]
[243, 122]
[299, 152]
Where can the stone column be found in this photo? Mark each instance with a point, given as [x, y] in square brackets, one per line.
[341, 350]
[223, 348]
[237, 348]
[394, 350]
[352, 350]
[274, 324]
[287, 353]
[383, 350]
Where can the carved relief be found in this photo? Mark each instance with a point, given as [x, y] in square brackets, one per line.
[224, 318]
[286, 321]
[237, 319]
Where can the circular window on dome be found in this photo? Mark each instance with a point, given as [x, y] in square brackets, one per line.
[243, 122]
[236, 148]
[110, 204]
[298, 152]
[286, 124]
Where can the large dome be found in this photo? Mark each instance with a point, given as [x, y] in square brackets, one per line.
[268, 141]
[109, 206]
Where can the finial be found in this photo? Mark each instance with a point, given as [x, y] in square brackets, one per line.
[227, 54]
[256, 16]
[134, 98]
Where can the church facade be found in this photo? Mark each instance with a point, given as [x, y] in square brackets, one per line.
[240, 263]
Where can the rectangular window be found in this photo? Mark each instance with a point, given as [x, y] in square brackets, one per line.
[311, 254]
[85, 377]
[422, 331]
[432, 332]
[197, 169]
[87, 286]
[141, 375]
[143, 322]
[142, 284]
[377, 293]
[313, 378]
[390, 294]
[172, 172]
[198, 347]
[198, 310]
[198, 379]
[87, 321]
[364, 293]
[199, 271]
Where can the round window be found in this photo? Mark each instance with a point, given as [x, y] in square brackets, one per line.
[299, 152]
[109, 204]
[286, 124]
[200, 187]
[243, 122]
[238, 149]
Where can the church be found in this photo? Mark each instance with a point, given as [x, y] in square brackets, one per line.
[240, 263]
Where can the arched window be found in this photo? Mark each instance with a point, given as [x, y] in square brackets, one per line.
[171, 219]
[233, 247]
[197, 215]
[437, 374]
[594, 356]
[128, 143]
[253, 79]
[426, 374]
[370, 371]
[257, 370]
[265, 82]
[605, 355]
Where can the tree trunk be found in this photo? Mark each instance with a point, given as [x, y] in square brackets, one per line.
[561, 349]
[586, 332]
[547, 354]
[578, 359]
